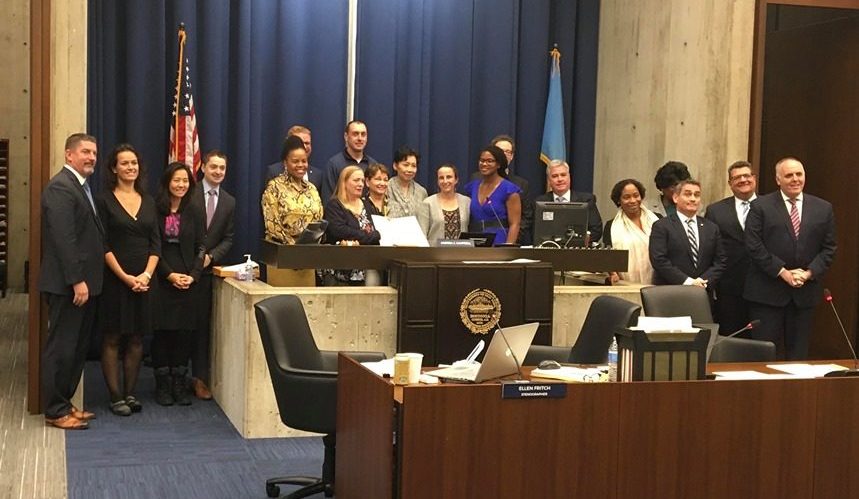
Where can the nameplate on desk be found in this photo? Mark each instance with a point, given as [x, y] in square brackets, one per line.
[462, 243]
[515, 390]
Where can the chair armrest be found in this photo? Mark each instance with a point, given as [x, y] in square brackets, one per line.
[329, 357]
[537, 353]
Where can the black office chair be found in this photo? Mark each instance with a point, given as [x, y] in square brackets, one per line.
[742, 350]
[305, 384]
[605, 314]
[677, 301]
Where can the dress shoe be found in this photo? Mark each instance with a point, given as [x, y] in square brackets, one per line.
[82, 415]
[201, 391]
[67, 422]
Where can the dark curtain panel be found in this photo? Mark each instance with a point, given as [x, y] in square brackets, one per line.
[256, 68]
[445, 76]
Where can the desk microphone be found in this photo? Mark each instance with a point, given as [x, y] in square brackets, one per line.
[512, 353]
[489, 202]
[849, 372]
[751, 325]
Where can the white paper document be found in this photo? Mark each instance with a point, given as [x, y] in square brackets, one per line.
[404, 231]
[807, 370]
[572, 373]
[735, 375]
[666, 324]
[382, 367]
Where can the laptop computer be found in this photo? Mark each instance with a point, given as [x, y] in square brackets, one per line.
[497, 361]
[481, 239]
[312, 234]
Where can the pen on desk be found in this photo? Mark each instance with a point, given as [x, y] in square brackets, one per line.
[477, 349]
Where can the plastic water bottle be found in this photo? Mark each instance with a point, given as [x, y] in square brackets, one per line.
[612, 360]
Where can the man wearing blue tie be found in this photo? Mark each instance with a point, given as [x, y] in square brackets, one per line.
[731, 309]
[560, 181]
[685, 248]
[790, 237]
[70, 279]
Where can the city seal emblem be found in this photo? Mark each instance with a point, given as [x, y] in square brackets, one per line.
[480, 310]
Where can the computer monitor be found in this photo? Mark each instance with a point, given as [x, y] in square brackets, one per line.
[566, 224]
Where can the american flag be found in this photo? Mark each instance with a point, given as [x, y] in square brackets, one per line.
[184, 145]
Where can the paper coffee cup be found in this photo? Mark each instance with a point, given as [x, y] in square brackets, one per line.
[416, 360]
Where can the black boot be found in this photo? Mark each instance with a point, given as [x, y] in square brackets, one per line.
[163, 386]
[181, 393]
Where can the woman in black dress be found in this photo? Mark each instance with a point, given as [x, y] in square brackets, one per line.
[181, 228]
[132, 246]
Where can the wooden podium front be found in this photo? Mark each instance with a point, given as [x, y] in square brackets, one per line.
[431, 299]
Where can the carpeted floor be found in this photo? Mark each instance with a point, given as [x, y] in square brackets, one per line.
[173, 452]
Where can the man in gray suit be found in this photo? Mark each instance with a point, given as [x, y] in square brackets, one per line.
[70, 278]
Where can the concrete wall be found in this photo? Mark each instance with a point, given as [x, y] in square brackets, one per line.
[674, 82]
[15, 126]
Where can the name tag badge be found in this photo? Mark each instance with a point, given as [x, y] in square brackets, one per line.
[514, 390]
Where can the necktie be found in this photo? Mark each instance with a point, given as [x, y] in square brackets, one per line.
[560, 199]
[89, 196]
[210, 206]
[794, 217]
[745, 213]
[693, 241]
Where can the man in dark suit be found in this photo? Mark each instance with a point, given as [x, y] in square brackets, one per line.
[685, 248]
[313, 175]
[70, 279]
[219, 208]
[558, 173]
[732, 310]
[790, 237]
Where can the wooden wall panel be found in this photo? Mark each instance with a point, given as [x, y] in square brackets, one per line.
[811, 111]
[674, 82]
[15, 125]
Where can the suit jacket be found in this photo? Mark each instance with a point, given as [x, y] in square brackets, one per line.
[72, 238]
[191, 241]
[671, 257]
[219, 236]
[431, 219]
[772, 246]
[724, 214]
[594, 218]
[342, 224]
[314, 176]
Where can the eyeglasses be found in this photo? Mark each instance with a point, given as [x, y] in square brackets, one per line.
[743, 176]
[486, 161]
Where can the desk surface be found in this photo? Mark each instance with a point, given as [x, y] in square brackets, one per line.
[772, 438]
[378, 257]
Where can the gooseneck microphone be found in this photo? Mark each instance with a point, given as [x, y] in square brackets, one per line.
[849, 372]
[751, 325]
[512, 353]
[489, 202]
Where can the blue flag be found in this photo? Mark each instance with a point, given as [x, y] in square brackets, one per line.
[554, 143]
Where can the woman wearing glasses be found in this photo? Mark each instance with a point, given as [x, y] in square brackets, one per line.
[496, 205]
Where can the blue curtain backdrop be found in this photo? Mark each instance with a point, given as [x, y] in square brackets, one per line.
[257, 67]
[443, 76]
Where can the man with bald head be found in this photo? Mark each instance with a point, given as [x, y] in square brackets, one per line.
[790, 236]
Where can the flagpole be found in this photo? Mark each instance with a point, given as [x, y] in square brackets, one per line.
[178, 89]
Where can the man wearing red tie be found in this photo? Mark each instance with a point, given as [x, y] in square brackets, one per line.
[790, 237]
